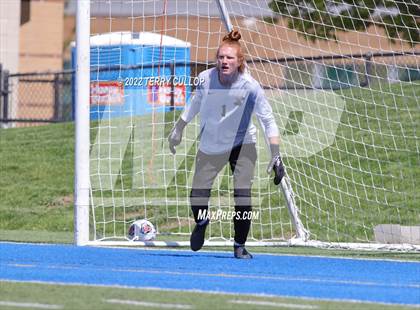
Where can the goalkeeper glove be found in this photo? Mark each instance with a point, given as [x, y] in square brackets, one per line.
[276, 164]
[175, 136]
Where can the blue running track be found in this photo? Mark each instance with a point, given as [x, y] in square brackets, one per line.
[378, 281]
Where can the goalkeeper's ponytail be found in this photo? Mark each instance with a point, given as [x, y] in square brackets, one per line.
[233, 36]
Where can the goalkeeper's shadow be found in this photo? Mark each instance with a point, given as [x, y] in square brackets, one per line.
[192, 254]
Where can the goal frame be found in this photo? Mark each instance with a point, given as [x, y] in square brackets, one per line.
[82, 125]
[82, 184]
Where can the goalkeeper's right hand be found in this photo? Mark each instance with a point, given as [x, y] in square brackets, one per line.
[175, 137]
[276, 164]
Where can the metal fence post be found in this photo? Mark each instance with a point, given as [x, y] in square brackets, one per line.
[5, 95]
[1, 91]
[368, 69]
[57, 98]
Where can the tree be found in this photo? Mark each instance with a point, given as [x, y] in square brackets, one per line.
[320, 19]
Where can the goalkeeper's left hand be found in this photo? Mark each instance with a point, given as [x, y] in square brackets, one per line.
[276, 164]
[175, 136]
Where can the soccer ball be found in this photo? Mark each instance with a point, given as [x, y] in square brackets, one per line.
[142, 230]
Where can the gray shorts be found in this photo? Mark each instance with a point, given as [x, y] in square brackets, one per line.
[242, 163]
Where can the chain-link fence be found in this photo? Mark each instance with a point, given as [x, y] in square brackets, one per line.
[332, 72]
[31, 98]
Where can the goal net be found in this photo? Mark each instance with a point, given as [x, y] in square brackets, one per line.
[346, 102]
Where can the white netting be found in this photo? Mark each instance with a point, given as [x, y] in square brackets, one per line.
[347, 109]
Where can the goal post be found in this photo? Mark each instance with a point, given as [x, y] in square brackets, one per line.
[346, 107]
[82, 126]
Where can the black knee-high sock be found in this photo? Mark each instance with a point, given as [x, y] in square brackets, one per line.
[199, 199]
[242, 207]
[201, 211]
[240, 224]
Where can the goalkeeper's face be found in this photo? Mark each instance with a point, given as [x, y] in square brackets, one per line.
[227, 61]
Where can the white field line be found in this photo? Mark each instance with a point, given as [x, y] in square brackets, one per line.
[255, 248]
[147, 304]
[272, 304]
[30, 305]
[221, 251]
[210, 292]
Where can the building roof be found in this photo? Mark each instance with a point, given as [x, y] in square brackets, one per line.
[134, 8]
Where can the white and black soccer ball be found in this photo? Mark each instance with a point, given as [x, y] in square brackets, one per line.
[142, 230]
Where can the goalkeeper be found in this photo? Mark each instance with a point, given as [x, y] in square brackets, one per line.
[226, 101]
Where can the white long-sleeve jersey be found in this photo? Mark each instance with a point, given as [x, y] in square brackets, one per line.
[226, 112]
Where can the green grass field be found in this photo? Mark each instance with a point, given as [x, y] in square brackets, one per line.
[367, 176]
[37, 178]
